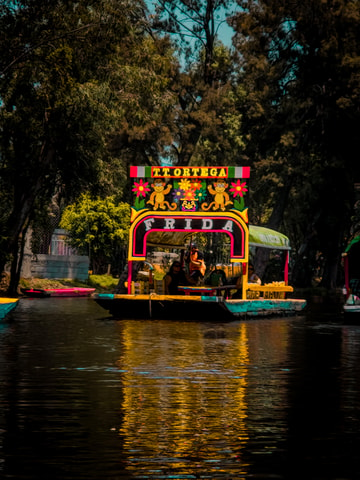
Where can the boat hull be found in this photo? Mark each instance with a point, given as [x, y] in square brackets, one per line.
[6, 305]
[200, 308]
[351, 310]
[177, 307]
[265, 307]
[351, 314]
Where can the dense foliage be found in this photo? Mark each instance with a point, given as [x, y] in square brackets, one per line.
[89, 86]
[206, 127]
[66, 85]
[98, 228]
[300, 65]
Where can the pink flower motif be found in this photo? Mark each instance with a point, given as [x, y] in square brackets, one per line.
[238, 188]
[141, 188]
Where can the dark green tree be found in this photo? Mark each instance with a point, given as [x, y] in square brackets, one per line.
[205, 118]
[299, 64]
[57, 107]
[142, 78]
[98, 228]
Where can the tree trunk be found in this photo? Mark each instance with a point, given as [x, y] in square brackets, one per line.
[25, 195]
[16, 264]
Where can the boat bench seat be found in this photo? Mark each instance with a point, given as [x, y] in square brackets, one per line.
[269, 290]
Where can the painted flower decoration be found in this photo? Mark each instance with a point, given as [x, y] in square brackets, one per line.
[184, 184]
[189, 195]
[238, 188]
[196, 185]
[141, 188]
[177, 194]
[201, 194]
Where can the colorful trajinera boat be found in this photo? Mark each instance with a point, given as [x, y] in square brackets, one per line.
[6, 305]
[58, 292]
[351, 258]
[171, 204]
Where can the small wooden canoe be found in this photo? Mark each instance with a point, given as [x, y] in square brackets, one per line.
[58, 292]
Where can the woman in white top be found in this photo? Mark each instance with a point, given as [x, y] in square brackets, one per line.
[253, 278]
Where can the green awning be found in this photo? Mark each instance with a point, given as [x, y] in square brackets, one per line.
[352, 243]
[267, 238]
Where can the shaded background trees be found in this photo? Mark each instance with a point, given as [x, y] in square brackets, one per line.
[89, 87]
[57, 104]
[300, 65]
[206, 115]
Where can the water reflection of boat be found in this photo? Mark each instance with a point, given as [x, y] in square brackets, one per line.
[198, 397]
[174, 398]
[186, 201]
[6, 305]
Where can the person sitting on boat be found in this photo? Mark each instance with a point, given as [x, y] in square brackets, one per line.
[176, 276]
[217, 277]
[197, 265]
[253, 278]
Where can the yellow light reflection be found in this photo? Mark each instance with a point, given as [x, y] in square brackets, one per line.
[186, 394]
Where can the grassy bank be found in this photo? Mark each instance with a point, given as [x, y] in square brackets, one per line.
[100, 282]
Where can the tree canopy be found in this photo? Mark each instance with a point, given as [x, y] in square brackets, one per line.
[59, 106]
[89, 87]
[299, 63]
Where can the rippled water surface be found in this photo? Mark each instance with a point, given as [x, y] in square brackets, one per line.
[83, 396]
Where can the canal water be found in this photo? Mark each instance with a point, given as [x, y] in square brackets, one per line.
[84, 396]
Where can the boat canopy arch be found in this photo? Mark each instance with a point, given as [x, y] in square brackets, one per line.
[172, 230]
[172, 203]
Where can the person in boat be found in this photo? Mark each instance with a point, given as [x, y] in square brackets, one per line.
[217, 277]
[176, 276]
[197, 267]
[252, 278]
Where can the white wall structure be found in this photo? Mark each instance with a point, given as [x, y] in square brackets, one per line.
[61, 261]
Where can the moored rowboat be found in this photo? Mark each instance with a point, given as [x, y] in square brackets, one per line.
[58, 292]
